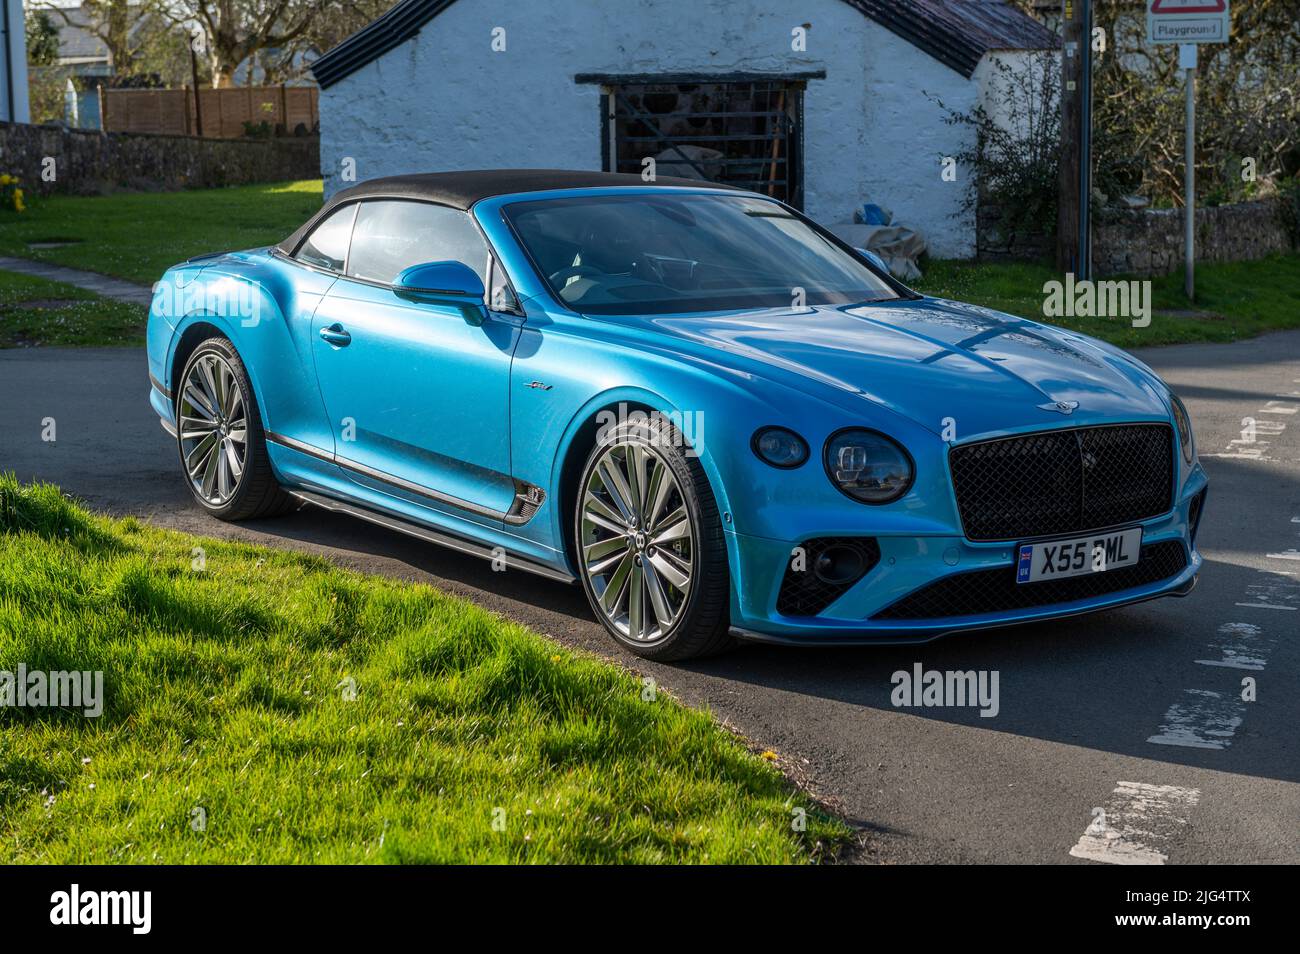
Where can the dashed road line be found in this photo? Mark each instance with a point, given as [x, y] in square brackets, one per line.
[1275, 591]
[1239, 646]
[1204, 720]
[1137, 824]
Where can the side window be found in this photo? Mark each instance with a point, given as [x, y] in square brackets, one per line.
[327, 245]
[393, 235]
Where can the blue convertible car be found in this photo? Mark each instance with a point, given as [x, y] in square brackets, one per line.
[720, 419]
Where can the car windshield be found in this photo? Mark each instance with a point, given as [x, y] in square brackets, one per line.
[662, 253]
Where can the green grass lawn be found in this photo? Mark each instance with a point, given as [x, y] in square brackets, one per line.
[34, 311]
[1233, 300]
[138, 235]
[227, 734]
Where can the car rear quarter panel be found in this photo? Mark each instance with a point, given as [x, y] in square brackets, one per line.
[264, 305]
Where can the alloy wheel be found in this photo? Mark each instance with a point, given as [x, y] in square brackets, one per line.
[213, 429]
[637, 541]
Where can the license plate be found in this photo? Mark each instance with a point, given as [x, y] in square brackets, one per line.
[1058, 559]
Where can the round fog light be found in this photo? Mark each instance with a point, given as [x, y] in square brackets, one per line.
[779, 447]
[838, 565]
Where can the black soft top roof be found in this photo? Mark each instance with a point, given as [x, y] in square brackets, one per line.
[461, 190]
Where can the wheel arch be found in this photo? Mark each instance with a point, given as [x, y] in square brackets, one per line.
[578, 441]
[193, 331]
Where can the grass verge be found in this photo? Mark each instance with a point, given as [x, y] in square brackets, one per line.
[1234, 300]
[138, 235]
[35, 311]
[227, 690]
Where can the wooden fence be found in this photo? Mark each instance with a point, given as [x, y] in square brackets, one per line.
[223, 112]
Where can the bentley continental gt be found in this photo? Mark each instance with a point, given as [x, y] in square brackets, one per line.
[719, 419]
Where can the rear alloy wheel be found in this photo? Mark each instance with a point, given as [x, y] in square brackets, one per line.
[650, 547]
[213, 428]
[220, 439]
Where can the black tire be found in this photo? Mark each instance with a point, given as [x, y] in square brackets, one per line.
[702, 625]
[257, 494]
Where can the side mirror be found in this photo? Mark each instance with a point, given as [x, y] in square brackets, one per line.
[874, 259]
[444, 283]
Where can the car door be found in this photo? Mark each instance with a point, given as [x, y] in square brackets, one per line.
[417, 394]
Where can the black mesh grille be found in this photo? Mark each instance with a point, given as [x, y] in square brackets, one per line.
[1067, 481]
[996, 591]
[803, 593]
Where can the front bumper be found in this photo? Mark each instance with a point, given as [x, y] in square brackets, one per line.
[909, 564]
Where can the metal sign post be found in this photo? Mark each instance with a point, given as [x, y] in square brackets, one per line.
[1187, 23]
[1085, 147]
[1187, 62]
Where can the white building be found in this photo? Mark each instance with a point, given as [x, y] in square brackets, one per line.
[825, 103]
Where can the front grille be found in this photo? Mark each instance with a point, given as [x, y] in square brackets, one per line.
[804, 593]
[1066, 481]
[996, 591]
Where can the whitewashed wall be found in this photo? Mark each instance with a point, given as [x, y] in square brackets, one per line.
[444, 100]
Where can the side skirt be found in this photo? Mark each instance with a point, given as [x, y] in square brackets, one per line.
[459, 544]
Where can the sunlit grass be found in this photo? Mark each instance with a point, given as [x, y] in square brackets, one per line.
[137, 235]
[1233, 300]
[228, 734]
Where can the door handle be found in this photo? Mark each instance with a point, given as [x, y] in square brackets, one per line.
[336, 335]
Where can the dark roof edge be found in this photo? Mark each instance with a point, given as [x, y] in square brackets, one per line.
[957, 48]
[375, 39]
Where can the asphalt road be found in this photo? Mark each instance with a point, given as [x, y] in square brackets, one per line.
[1080, 701]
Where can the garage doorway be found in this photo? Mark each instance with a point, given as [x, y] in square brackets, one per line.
[742, 132]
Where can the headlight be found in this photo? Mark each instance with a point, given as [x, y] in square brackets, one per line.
[868, 466]
[779, 447]
[1184, 428]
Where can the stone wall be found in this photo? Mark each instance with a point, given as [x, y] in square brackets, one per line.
[88, 162]
[998, 242]
[1150, 242]
[1147, 242]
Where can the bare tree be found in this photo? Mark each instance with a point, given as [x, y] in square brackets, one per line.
[110, 21]
[232, 31]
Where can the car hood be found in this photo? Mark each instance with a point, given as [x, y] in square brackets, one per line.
[932, 359]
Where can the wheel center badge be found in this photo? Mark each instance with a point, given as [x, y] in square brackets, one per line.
[639, 539]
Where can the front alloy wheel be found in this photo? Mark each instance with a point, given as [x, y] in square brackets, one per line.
[636, 541]
[650, 546]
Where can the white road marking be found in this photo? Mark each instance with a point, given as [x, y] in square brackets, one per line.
[1266, 606]
[1285, 555]
[1240, 646]
[1137, 823]
[1276, 407]
[1206, 720]
[1273, 591]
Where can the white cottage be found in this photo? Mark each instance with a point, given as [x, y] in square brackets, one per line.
[824, 103]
